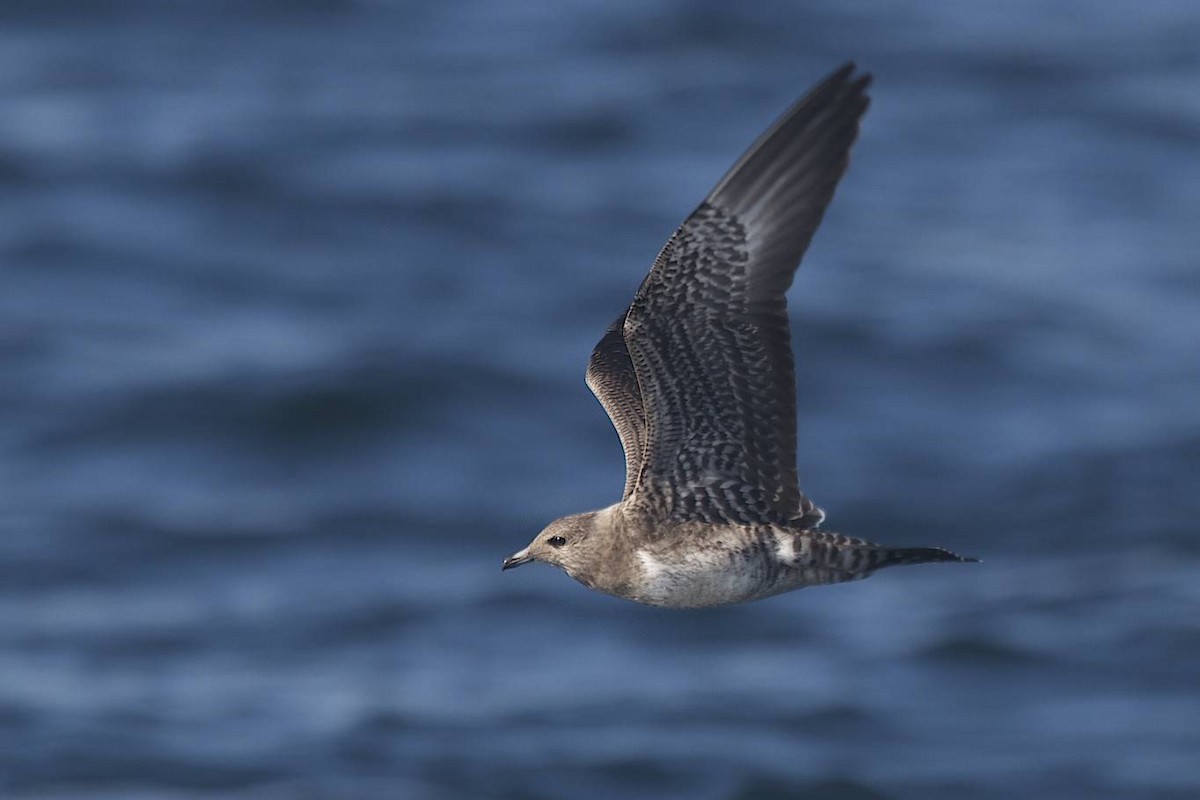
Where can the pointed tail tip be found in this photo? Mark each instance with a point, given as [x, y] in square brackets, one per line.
[923, 555]
[948, 555]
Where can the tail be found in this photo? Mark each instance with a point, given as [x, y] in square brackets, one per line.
[891, 557]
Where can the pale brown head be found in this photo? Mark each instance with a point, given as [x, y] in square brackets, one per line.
[568, 543]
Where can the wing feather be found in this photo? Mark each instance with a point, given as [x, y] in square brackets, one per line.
[611, 378]
[707, 335]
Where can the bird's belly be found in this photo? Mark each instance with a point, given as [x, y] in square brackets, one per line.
[703, 578]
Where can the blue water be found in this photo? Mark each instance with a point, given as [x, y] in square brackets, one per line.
[295, 301]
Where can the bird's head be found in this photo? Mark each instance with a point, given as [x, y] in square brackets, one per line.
[567, 543]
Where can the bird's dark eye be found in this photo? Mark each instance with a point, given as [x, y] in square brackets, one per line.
[556, 541]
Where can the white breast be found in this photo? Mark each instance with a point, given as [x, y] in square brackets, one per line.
[701, 578]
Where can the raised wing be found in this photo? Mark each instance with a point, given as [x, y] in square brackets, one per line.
[708, 329]
[611, 378]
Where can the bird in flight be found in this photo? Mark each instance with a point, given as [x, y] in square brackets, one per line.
[698, 378]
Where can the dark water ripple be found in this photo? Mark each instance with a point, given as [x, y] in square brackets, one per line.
[294, 304]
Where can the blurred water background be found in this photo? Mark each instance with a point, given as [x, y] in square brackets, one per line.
[295, 302]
